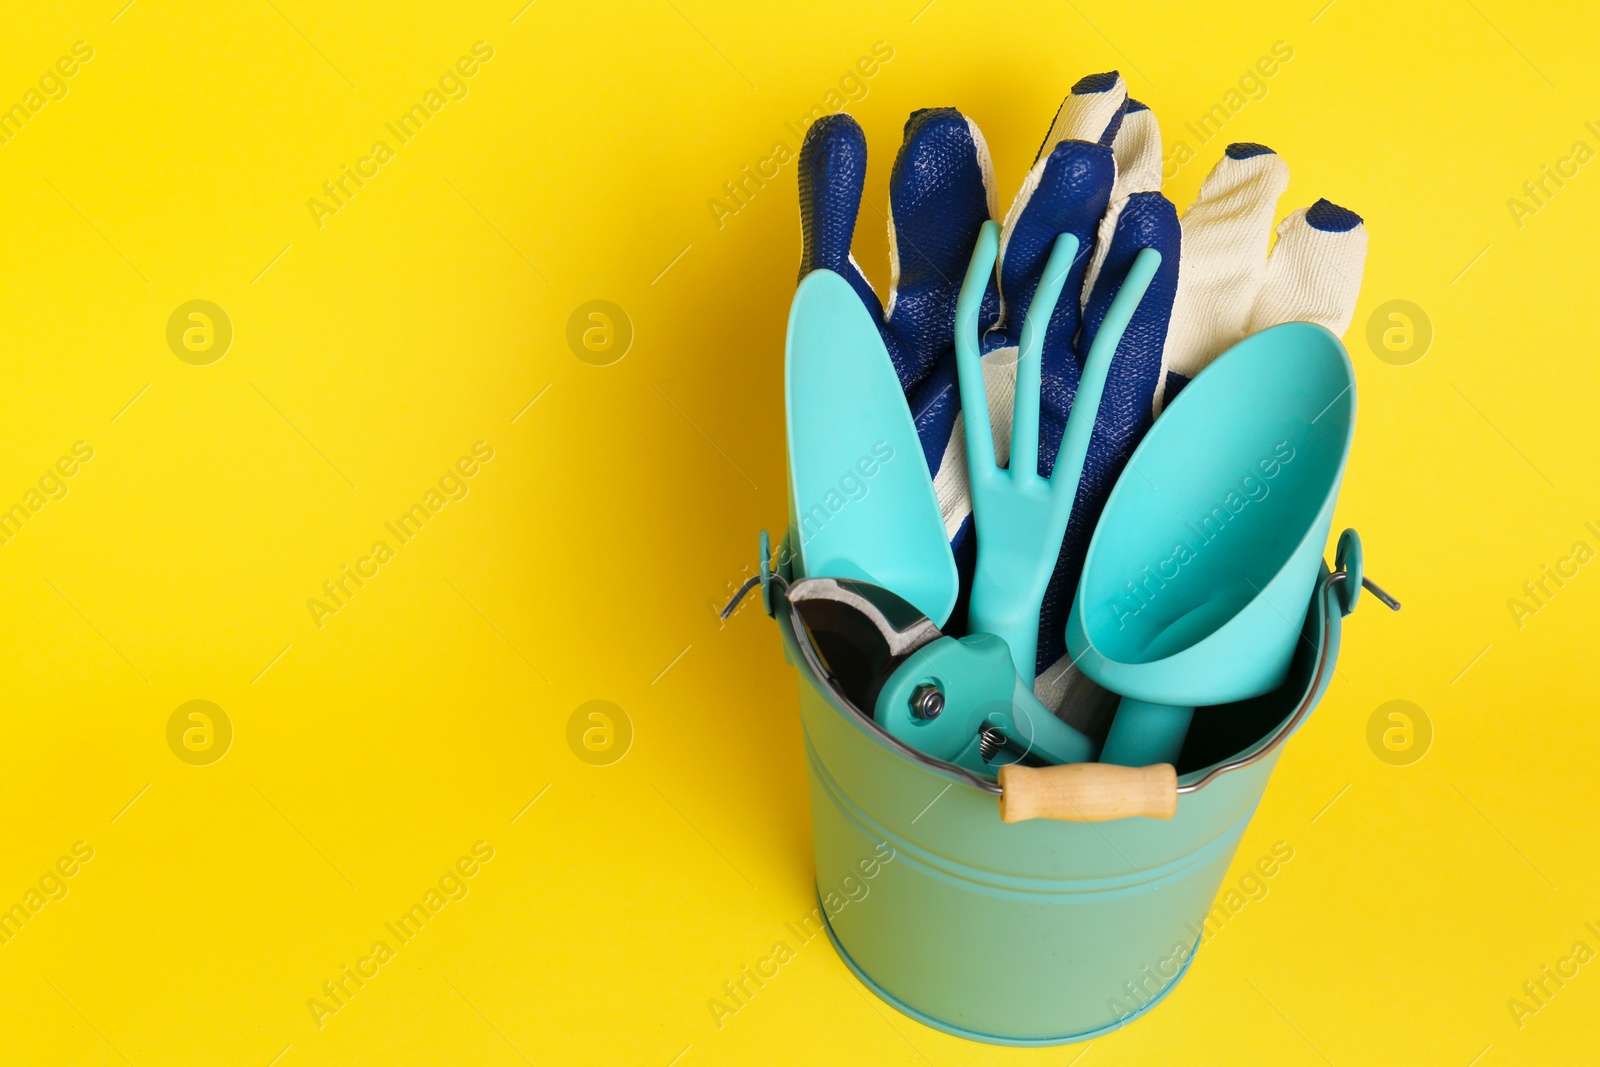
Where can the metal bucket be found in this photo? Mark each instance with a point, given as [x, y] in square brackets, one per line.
[1038, 932]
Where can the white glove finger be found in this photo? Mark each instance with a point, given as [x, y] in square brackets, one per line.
[951, 484]
[1314, 274]
[1225, 234]
[1091, 112]
[1137, 152]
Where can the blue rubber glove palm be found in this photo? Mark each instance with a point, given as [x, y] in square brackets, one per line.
[1096, 177]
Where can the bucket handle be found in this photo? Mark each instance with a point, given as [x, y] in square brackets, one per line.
[1100, 792]
[1087, 792]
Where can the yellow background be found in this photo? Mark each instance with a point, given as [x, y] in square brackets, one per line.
[372, 352]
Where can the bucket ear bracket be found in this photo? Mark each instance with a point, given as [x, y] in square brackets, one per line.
[763, 579]
[766, 574]
[1347, 560]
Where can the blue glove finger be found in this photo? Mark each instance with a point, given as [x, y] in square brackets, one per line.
[1146, 220]
[939, 196]
[1070, 196]
[1072, 190]
[832, 171]
[934, 407]
[1067, 192]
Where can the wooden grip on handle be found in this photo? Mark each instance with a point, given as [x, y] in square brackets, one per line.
[1088, 792]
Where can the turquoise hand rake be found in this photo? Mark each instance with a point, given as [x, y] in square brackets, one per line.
[1021, 517]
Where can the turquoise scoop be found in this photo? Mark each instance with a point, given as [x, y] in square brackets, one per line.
[1197, 576]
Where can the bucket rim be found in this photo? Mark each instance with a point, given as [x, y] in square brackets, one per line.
[1325, 622]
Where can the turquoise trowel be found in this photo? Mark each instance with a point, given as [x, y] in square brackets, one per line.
[861, 500]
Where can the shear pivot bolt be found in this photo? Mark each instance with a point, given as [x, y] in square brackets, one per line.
[927, 701]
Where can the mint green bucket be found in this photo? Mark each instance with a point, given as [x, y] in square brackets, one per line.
[1038, 932]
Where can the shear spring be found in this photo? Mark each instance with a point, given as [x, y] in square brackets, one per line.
[990, 741]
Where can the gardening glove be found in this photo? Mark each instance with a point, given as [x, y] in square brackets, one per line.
[941, 191]
[1230, 288]
[1227, 288]
[1095, 177]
